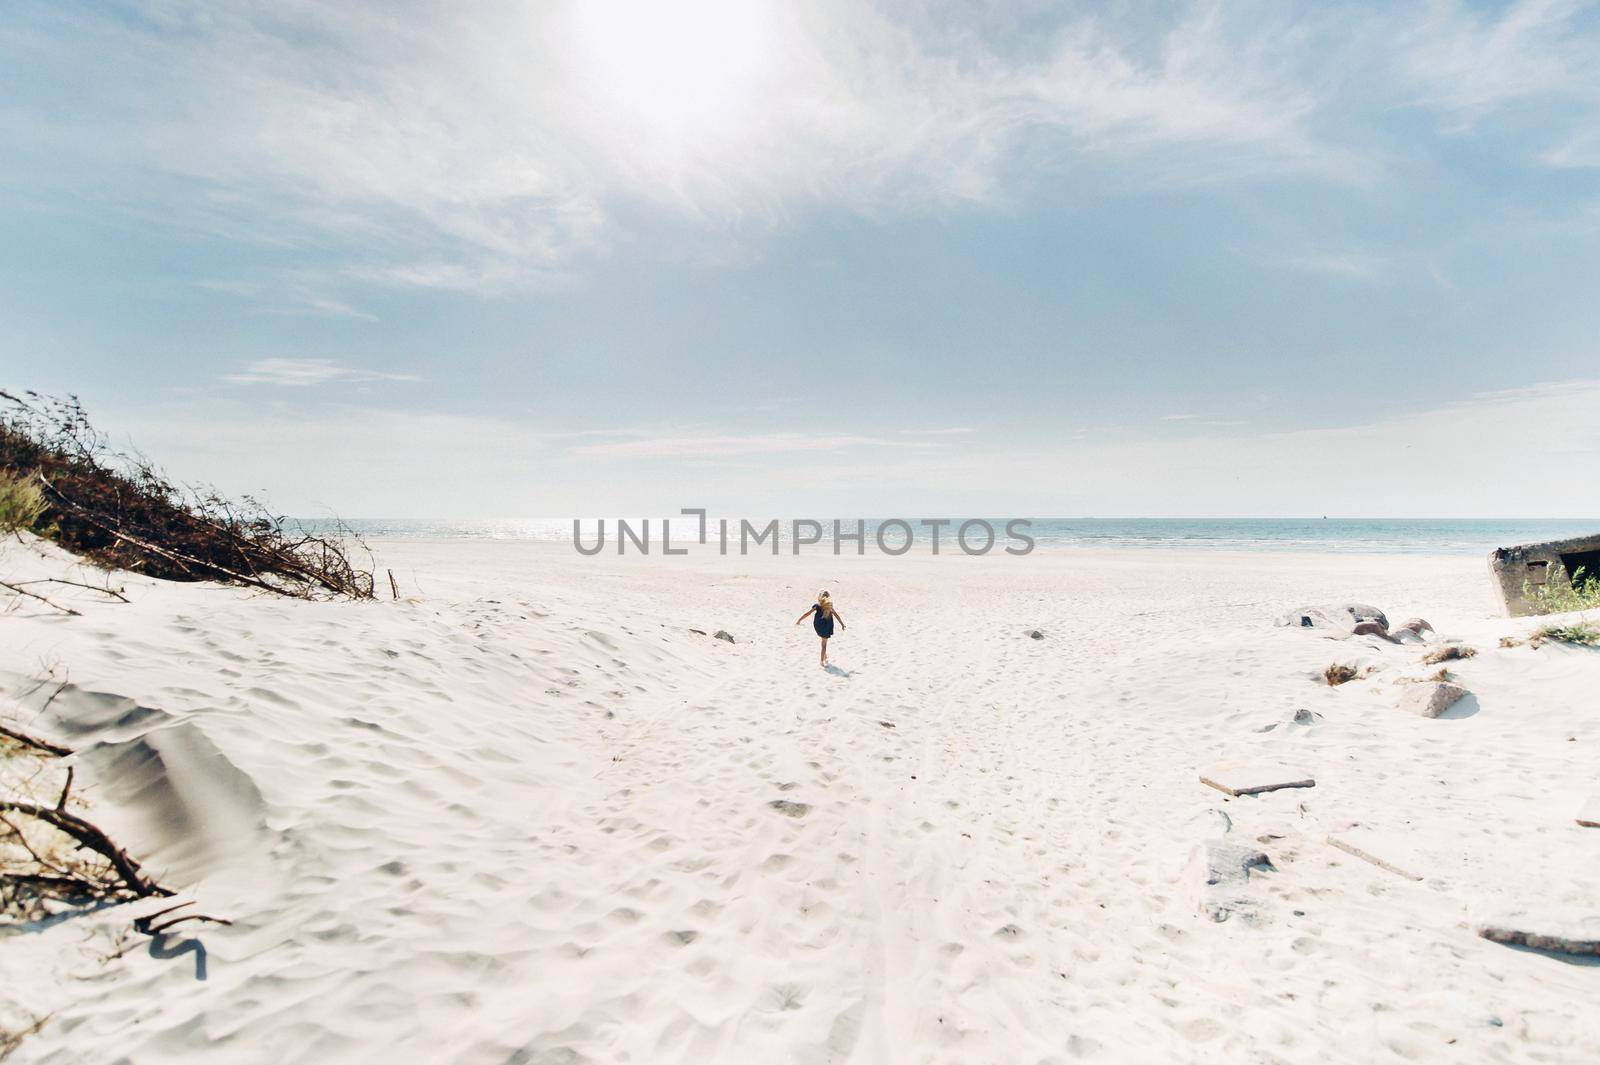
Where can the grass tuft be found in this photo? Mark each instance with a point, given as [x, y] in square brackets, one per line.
[22, 503]
[1560, 596]
[1581, 633]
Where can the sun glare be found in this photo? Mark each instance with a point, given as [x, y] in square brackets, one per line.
[681, 67]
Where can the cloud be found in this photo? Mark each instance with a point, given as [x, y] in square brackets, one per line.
[1202, 419]
[1517, 451]
[506, 147]
[1354, 265]
[303, 373]
[728, 445]
[291, 300]
[1471, 60]
[496, 147]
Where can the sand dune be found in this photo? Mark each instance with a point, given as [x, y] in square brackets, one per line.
[529, 816]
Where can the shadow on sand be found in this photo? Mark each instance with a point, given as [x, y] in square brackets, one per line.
[1464, 707]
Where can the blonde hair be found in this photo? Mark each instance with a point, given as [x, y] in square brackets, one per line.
[825, 603]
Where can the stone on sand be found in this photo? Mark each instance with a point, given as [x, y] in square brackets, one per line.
[1253, 778]
[1220, 873]
[1561, 929]
[1589, 813]
[1344, 617]
[722, 634]
[1431, 699]
[1035, 634]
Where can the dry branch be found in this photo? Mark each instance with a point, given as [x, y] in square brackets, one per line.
[92, 837]
[115, 593]
[35, 742]
[147, 923]
[35, 595]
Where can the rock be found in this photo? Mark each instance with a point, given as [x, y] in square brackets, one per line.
[1035, 634]
[789, 808]
[1372, 628]
[1253, 779]
[1220, 873]
[1589, 815]
[1416, 625]
[1341, 616]
[698, 632]
[1431, 698]
[1564, 930]
[1302, 717]
[722, 634]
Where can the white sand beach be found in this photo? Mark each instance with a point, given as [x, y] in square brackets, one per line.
[527, 815]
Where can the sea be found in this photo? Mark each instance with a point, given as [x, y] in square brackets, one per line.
[1432, 536]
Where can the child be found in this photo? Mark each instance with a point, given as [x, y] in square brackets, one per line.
[823, 621]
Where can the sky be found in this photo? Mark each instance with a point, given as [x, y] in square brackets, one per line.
[515, 260]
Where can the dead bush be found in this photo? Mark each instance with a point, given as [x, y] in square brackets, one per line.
[1448, 653]
[1338, 673]
[121, 511]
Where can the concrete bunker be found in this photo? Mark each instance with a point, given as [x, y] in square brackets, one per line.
[1519, 569]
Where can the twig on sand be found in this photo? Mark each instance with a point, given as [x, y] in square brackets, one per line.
[147, 923]
[17, 588]
[115, 593]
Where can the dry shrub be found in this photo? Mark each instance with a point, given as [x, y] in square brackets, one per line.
[1448, 653]
[121, 511]
[1338, 673]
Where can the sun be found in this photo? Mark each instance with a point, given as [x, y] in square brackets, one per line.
[682, 68]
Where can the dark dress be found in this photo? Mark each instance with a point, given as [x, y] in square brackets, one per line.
[823, 625]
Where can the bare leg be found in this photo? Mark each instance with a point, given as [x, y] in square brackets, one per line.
[824, 650]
